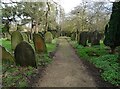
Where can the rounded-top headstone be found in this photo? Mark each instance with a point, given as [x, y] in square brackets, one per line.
[25, 36]
[39, 43]
[83, 38]
[89, 36]
[16, 38]
[48, 37]
[6, 56]
[25, 55]
[95, 38]
[73, 36]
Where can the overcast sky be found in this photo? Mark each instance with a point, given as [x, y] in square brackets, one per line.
[68, 5]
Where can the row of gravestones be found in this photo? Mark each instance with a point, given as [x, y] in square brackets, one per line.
[24, 54]
[65, 33]
[90, 37]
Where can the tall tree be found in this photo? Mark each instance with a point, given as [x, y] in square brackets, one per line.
[112, 29]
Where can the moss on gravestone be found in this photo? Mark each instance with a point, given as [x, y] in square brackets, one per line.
[39, 43]
[16, 38]
[48, 37]
[25, 37]
[25, 55]
[6, 56]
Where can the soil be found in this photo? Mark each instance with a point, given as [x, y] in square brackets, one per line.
[68, 70]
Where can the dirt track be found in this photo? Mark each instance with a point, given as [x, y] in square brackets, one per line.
[66, 70]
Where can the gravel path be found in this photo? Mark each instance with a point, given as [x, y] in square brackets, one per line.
[66, 70]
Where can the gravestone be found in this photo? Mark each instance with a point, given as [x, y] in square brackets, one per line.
[67, 33]
[48, 37]
[25, 37]
[95, 38]
[83, 38]
[25, 55]
[6, 56]
[89, 37]
[16, 38]
[73, 36]
[54, 33]
[39, 43]
[8, 36]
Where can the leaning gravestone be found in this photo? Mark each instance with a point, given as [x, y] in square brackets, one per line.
[83, 38]
[39, 43]
[95, 38]
[25, 55]
[16, 38]
[48, 37]
[6, 56]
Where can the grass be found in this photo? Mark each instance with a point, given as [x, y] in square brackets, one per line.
[100, 57]
[89, 52]
[6, 43]
[20, 75]
[50, 47]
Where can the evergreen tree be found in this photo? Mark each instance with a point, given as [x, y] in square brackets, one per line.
[112, 29]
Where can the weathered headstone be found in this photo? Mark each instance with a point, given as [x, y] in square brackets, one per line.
[16, 38]
[89, 37]
[54, 33]
[6, 56]
[25, 55]
[68, 34]
[25, 37]
[8, 36]
[73, 36]
[95, 38]
[39, 43]
[83, 38]
[48, 37]
[62, 33]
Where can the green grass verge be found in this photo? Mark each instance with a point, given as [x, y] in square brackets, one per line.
[6, 43]
[16, 76]
[100, 57]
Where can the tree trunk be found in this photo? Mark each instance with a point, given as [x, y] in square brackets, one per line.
[36, 27]
[77, 33]
[31, 30]
[46, 24]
